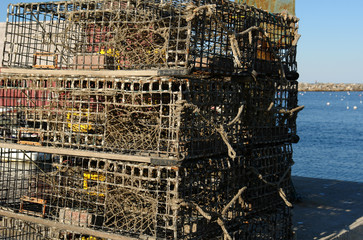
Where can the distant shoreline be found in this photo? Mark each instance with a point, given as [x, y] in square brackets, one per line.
[330, 87]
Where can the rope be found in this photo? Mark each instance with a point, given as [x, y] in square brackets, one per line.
[198, 208]
[291, 112]
[276, 184]
[235, 50]
[240, 110]
[194, 10]
[231, 152]
[220, 216]
[284, 197]
[234, 44]
[238, 195]
[270, 107]
[224, 229]
[211, 12]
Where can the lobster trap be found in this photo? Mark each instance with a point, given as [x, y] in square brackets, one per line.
[210, 198]
[143, 119]
[258, 227]
[173, 37]
[170, 118]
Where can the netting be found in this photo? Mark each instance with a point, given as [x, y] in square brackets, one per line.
[134, 199]
[181, 118]
[193, 141]
[258, 227]
[213, 36]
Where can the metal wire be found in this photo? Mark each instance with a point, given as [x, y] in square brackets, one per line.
[133, 199]
[139, 34]
[146, 116]
[201, 153]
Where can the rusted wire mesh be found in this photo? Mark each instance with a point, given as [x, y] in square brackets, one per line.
[255, 228]
[15, 228]
[182, 118]
[211, 197]
[12, 228]
[176, 153]
[271, 110]
[214, 36]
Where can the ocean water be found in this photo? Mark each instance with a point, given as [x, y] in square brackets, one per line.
[331, 136]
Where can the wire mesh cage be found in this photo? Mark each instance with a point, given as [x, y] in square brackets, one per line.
[168, 117]
[12, 228]
[126, 115]
[214, 36]
[258, 227]
[261, 226]
[27, 228]
[271, 110]
[212, 197]
[91, 152]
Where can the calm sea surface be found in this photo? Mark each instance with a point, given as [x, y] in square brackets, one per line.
[331, 136]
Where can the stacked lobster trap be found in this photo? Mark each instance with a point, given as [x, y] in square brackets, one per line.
[173, 37]
[147, 119]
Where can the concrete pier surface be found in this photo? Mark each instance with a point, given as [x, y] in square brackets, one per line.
[328, 209]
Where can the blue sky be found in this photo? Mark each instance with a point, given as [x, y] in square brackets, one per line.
[331, 46]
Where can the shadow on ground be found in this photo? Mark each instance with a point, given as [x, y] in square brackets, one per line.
[328, 209]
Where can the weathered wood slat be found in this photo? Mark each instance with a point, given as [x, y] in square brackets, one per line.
[80, 153]
[100, 73]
